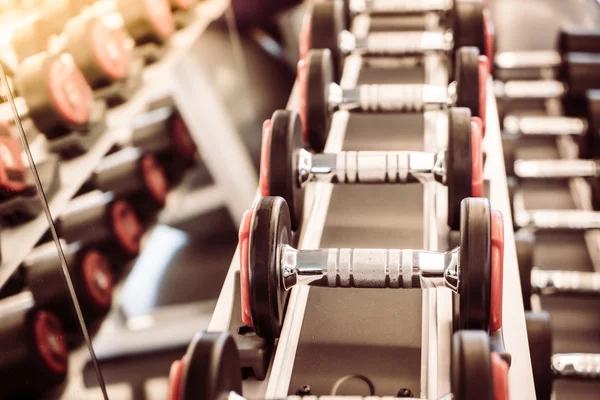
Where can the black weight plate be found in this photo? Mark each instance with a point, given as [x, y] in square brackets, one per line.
[326, 24]
[581, 71]
[525, 242]
[270, 228]
[286, 142]
[509, 148]
[319, 75]
[578, 39]
[475, 265]
[467, 79]
[459, 162]
[212, 367]
[593, 133]
[468, 26]
[539, 335]
[471, 367]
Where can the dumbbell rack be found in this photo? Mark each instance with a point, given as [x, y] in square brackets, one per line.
[338, 325]
[208, 124]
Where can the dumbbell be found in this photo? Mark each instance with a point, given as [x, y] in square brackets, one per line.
[146, 21]
[571, 39]
[56, 92]
[547, 366]
[210, 370]
[578, 72]
[101, 53]
[322, 29]
[270, 267]
[164, 133]
[33, 347]
[13, 179]
[90, 272]
[320, 96]
[286, 168]
[131, 174]
[585, 130]
[117, 231]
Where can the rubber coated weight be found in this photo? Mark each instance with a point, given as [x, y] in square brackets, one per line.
[147, 21]
[539, 335]
[12, 170]
[56, 92]
[471, 366]
[326, 21]
[467, 79]
[319, 74]
[578, 39]
[100, 52]
[581, 72]
[285, 144]
[592, 145]
[459, 162]
[211, 369]
[473, 302]
[468, 24]
[525, 243]
[270, 228]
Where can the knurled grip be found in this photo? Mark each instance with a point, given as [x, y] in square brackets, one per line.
[383, 167]
[577, 366]
[545, 89]
[407, 98]
[377, 268]
[558, 219]
[407, 6]
[406, 42]
[548, 282]
[555, 168]
[544, 125]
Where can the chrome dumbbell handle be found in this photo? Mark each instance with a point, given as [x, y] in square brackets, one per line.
[527, 59]
[565, 282]
[541, 169]
[366, 167]
[576, 366]
[558, 219]
[367, 268]
[396, 43]
[544, 126]
[390, 97]
[543, 89]
[399, 7]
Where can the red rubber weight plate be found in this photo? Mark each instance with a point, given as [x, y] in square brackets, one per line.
[69, 91]
[490, 38]
[263, 183]
[183, 139]
[304, 42]
[175, 379]
[50, 341]
[302, 70]
[243, 238]
[127, 227]
[500, 377]
[483, 75]
[97, 278]
[160, 16]
[155, 178]
[12, 170]
[497, 270]
[110, 50]
[476, 158]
